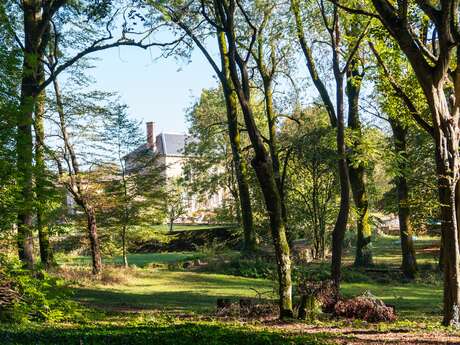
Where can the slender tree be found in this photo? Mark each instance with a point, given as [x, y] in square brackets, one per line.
[226, 12]
[182, 16]
[331, 21]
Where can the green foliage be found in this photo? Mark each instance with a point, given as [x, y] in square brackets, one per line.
[156, 330]
[257, 267]
[36, 296]
[210, 166]
[311, 186]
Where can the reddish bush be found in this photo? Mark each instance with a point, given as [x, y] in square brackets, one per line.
[365, 307]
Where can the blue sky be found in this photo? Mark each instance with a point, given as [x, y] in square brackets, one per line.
[155, 90]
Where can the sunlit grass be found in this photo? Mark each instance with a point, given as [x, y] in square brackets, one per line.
[139, 260]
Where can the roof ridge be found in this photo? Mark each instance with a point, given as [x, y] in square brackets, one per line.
[175, 133]
[164, 143]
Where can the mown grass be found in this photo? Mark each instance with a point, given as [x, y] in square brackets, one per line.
[152, 289]
[171, 290]
[139, 260]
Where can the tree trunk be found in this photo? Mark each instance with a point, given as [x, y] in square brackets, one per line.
[74, 183]
[278, 231]
[363, 255]
[93, 239]
[446, 136]
[340, 226]
[123, 243]
[336, 117]
[409, 263]
[241, 169]
[262, 164]
[24, 146]
[46, 252]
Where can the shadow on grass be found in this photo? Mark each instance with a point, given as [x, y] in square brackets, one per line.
[164, 334]
[196, 300]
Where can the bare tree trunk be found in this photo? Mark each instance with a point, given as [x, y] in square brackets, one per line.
[74, 184]
[340, 226]
[241, 169]
[241, 173]
[336, 117]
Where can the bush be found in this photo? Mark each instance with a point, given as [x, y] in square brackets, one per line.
[251, 267]
[365, 307]
[31, 295]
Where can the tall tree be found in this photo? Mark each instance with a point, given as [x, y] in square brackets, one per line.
[238, 57]
[135, 184]
[33, 36]
[437, 71]
[356, 165]
[184, 16]
[331, 23]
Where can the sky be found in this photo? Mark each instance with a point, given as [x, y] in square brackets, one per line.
[158, 90]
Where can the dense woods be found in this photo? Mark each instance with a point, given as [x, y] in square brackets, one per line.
[329, 120]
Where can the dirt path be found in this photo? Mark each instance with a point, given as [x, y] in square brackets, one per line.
[373, 336]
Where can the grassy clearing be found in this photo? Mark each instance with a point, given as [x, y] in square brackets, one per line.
[153, 289]
[386, 250]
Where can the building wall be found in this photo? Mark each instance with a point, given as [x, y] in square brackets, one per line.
[173, 166]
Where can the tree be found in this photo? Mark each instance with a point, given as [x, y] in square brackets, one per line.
[184, 16]
[356, 163]
[434, 66]
[133, 190]
[175, 201]
[91, 27]
[311, 185]
[237, 59]
[331, 22]
[209, 155]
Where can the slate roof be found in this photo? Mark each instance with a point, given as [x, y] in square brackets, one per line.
[170, 144]
[166, 144]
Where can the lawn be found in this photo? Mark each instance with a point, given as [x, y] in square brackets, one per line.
[153, 289]
[156, 330]
[139, 260]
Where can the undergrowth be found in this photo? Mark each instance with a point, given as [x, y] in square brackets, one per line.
[33, 295]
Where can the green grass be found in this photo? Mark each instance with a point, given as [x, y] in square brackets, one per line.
[387, 250]
[182, 227]
[169, 290]
[139, 260]
[412, 300]
[152, 289]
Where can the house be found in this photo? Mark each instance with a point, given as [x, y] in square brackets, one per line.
[170, 158]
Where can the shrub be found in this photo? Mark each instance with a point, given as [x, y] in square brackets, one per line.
[31, 295]
[365, 307]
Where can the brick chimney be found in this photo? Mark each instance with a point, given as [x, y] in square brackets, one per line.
[150, 134]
